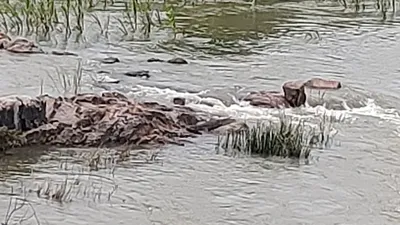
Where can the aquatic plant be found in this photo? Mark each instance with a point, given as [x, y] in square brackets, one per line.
[286, 139]
[66, 83]
[68, 189]
[381, 5]
[45, 16]
[10, 139]
[15, 205]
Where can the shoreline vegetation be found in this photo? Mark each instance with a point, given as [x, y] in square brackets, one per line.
[134, 18]
[44, 17]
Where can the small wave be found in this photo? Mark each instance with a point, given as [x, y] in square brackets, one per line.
[244, 111]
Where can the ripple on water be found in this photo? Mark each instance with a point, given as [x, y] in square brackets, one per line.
[354, 181]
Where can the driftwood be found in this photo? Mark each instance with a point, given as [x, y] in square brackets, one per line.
[109, 119]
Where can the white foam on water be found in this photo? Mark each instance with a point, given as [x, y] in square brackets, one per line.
[243, 110]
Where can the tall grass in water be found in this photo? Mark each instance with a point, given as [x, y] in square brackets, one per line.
[14, 214]
[65, 83]
[10, 139]
[44, 16]
[286, 139]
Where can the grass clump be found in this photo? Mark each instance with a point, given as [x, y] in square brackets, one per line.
[10, 139]
[42, 17]
[285, 139]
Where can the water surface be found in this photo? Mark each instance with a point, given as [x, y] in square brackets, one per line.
[231, 49]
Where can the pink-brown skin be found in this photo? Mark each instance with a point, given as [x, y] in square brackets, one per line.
[293, 93]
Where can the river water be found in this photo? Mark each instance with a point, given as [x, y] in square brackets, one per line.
[231, 49]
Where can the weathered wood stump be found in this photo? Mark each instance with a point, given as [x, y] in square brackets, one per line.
[294, 93]
[18, 115]
[22, 113]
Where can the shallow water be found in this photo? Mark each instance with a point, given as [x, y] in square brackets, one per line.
[231, 50]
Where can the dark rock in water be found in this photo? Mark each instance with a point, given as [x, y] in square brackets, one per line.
[177, 61]
[179, 101]
[155, 60]
[63, 53]
[173, 60]
[110, 60]
[141, 73]
[188, 119]
[103, 72]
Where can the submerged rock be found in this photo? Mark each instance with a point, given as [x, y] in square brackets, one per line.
[173, 60]
[179, 101]
[63, 53]
[23, 45]
[141, 73]
[177, 61]
[155, 60]
[93, 120]
[110, 60]
[231, 128]
[108, 80]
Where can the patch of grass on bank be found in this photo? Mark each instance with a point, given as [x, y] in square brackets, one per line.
[285, 139]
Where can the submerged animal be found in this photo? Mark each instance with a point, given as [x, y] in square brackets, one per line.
[293, 93]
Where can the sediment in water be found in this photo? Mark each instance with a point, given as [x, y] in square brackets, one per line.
[95, 120]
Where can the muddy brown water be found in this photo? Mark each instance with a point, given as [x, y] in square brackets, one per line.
[231, 50]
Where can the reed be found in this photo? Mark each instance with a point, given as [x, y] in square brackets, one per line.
[44, 16]
[10, 139]
[66, 83]
[14, 214]
[285, 139]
